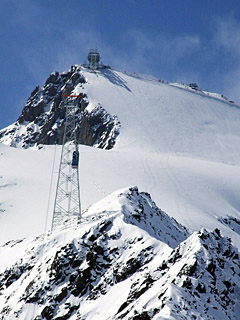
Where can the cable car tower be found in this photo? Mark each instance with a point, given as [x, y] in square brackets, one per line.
[67, 206]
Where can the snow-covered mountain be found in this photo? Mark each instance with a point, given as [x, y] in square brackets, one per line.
[128, 259]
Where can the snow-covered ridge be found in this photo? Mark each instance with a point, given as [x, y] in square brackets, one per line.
[139, 209]
[189, 87]
[138, 261]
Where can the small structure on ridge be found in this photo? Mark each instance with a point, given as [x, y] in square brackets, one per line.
[94, 59]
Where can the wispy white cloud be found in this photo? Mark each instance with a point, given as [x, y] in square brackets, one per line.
[57, 46]
[188, 57]
[213, 62]
[227, 42]
[227, 35]
[147, 54]
[178, 48]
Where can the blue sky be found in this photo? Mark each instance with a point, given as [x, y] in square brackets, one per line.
[189, 41]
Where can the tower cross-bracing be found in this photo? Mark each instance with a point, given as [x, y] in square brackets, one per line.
[67, 206]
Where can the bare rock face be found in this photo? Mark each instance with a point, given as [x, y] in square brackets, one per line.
[42, 118]
[98, 128]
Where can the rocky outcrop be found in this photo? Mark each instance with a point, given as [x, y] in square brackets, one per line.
[98, 128]
[42, 118]
[231, 222]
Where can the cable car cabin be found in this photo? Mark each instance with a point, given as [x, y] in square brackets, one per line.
[75, 159]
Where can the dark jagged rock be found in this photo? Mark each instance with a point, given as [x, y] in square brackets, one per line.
[42, 118]
[13, 274]
[98, 128]
[48, 312]
[231, 222]
[61, 295]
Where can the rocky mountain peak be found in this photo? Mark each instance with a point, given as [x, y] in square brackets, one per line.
[42, 118]
[128, 255]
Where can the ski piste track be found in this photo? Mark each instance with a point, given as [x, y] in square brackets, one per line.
[137, 109]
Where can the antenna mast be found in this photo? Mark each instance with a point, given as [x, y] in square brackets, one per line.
[67, 206]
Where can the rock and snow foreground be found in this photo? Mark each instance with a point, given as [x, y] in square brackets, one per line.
[127, 260]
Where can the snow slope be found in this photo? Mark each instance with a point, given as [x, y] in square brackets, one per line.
[179, 146]
[159, 118]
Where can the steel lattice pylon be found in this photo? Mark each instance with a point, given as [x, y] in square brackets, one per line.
[67, 206]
